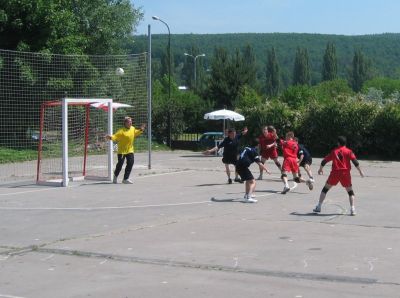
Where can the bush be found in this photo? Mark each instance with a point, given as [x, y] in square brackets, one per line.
[351, 118]
[385, 132]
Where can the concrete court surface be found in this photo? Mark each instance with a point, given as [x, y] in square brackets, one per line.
[163, 236]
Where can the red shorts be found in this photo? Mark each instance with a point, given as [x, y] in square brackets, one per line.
[290, 165]
[343, 177]
[269, 154]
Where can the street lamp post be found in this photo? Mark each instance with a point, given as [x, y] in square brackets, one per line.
[194, 63]
[169, 79]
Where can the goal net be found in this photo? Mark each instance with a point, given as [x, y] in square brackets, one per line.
[71, 141]
[29, 79]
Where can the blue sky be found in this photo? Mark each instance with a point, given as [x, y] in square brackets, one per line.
[348, 17]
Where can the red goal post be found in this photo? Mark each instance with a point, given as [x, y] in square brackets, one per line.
[71, 143]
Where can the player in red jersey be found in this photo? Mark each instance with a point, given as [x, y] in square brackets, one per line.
[267, 146]
[290, 149]
[341, 167]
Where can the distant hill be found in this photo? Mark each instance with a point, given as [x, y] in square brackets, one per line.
[382, 49]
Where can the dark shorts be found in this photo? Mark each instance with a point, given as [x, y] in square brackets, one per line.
[229, 160]
[305, 162]
[244, 173]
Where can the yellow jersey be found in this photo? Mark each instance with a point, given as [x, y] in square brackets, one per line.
[125, 137]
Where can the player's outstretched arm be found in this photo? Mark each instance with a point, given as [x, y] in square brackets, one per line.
[263, 167]
[210, 151]
[357, 165]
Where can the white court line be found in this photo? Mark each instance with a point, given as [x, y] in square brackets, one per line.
[54, 188]
[103, 208]
[9, 296]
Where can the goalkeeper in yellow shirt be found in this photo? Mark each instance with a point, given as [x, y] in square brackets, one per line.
[125, 138]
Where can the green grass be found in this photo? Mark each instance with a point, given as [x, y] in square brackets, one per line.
[13, 155]
[52, 149]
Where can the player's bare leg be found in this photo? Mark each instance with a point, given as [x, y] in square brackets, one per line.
[228, 173]
[286, 187]
[278, 164]
[351, 200]
[322, 196]
[307, 168]
[249, 187]
[261, 168]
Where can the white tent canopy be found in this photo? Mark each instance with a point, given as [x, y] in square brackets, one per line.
[224, 115]
[115, 105]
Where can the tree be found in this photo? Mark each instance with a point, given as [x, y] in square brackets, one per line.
[301, 70]
[273, 75]
[249, 66]
[329, 63]
[229, 75]
[69, 26]
[360, 72]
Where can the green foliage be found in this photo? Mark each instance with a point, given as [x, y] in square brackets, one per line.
[361, 71]
[248, 97]
[350, 117]
[329, 63]
[273, 76]
[387, 85]
[298, 96]
[274, 113]
[385, 132]
[328, 90]
[68, 27]
[229, 74]
[186, 109]
[301, 69]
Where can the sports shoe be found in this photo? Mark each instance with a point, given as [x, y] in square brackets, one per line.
[312, 180]
[229, 181]
[249, 199]
[238, 180]
[317, 209]
[285, 190]
[310, 184]
[127, 181]
[353, 211]
[115, 179]
[260, 177]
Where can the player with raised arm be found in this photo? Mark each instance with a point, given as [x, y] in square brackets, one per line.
[125, 137]
[231, 151]
[341, 167]
[268, 148]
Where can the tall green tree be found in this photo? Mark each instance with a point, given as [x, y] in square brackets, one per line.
[249, 66]
[360, 72]
[301, 70]
[68, 26]
[218, 83]
[329, 63]
[273, 75]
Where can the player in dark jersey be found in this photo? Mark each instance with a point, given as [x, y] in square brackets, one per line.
[231, 151]
[247, 156]
[305, 161]
[268, 147]
[290, 149]
[341, 167]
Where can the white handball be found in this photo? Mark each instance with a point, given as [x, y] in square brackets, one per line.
[119, 71]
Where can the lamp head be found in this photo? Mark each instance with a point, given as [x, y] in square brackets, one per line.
[155, 18]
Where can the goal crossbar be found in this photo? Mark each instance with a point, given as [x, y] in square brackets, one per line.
[65, 103]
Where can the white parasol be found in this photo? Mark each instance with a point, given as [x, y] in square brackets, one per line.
[224, 115]
[104, 106]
